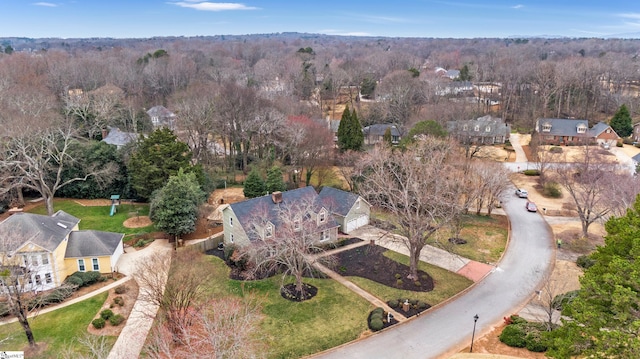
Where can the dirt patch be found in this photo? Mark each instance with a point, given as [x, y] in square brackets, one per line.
[137, 222]
[226, 195]
[128, 300]
[93, 202]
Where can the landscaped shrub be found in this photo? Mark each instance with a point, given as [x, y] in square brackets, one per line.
[552, 190]
[393, 303]
[121, 289]
[531, 172]
[106, 314]
[376, 324]
[514, 335]
[378, 310]
[417, 283]
[398, 275]
[619, 144]
[399, 282]
[116, 320]
[74, 281]
[585, 261]
[535, 342]
[119, 301]
[98, 323]
[89, 278]
[555, 149]
[422, 305]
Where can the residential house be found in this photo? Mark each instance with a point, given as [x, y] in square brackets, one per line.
[261, 217]
[162, 117]
[52, 248]
[454, 88]
[452, 74]
[636, 132]
[349, 209]
[559, 131]
[483, 130]
[375, 133]
[114, 136]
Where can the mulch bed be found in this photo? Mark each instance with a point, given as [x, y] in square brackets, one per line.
[369, 262]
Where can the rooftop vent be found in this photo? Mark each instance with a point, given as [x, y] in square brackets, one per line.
[62, 225]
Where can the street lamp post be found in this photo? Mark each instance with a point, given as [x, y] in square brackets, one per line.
[473, 334]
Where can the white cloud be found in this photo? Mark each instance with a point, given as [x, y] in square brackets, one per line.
[634, 16]
[343, 33]
[212, 6]
[47, 4]
[519, 6]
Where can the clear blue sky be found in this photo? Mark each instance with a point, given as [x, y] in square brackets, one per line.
[418, 18]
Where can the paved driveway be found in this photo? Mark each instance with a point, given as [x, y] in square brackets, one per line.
[447, 329]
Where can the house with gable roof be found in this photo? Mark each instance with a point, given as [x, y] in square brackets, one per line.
[51, 248]
[374, 134]
[560, 131]
[161, 117]
[349, 209]
[262, 217]
[113, 136]
[483, 130]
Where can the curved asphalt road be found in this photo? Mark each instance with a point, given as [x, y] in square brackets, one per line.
[446, 330]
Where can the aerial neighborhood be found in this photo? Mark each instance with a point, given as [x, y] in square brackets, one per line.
[295, 195]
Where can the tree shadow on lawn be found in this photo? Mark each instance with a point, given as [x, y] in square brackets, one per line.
[370, 262]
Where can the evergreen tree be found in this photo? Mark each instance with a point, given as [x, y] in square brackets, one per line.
[157, 157]
[275, 182]
[254, 185]
[343, 130]
[464, 73]
[621, 122]
[386, 138]
[357, 135]
[174, 208]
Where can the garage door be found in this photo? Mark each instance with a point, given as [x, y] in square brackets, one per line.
[357, 223]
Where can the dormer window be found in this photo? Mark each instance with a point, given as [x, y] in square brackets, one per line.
[546, 127]
[488, 129]
[582, 128]
[465, 128]
[322, 216]
[477, 128]
[297, 223]
[268, 231]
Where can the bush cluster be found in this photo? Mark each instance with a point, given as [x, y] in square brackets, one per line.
[118, 301]
[585, 261]
[531, 172]
[98, 323]
[82, 279]
[121, 289]
[116, 320]
[555, 149]
[522, 334]
[552, 190]
[106, 314]
[561, 300]
[377, 318]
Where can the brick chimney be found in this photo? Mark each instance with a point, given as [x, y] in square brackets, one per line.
[276, 197]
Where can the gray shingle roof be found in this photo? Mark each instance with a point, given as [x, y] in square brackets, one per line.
[380, 128]
[562, 126]
[337, 201]
[119, 138]
[246, 211]
[44, 231]
[496, 125]
[92, 244]
[599, 128]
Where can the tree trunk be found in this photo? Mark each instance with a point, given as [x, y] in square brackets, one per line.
[414, 259]
[22, 318]
[585, 228]
[49, 204]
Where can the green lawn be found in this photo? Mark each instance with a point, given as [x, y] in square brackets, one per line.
[57, 330]
[446, 284]
[292, 330]
[97, 217]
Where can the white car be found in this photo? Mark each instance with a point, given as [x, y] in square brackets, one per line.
[522, 193]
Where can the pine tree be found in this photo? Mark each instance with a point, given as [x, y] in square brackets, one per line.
[350, 136]
[254, 185]
[275, 182]
[343, 130]
[621, 122]
[357, 135]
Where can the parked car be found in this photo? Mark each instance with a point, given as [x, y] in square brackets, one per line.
[531, 207]
[522, 193]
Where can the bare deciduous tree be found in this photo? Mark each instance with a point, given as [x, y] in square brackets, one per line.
[417, 186]
[36, 159]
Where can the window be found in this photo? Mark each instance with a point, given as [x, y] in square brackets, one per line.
[465, 128]
[297, 223]
[546, 127]
[322, 216]
[231, 221]
[358, 204]
[608, 130]
[96, 264]
[34, 261]
[325, 235]
[488, 129]
[570, 138]
[81, 267]
[38, 279]
[45, 259]
[582, 128]
[47, 278]
[231, 238]
[477, 128]
[268, 231]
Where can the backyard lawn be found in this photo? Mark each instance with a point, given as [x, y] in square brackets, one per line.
[97, 217]
[56, 331]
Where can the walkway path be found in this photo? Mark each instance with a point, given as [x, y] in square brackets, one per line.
[134, 334]
[515, 139]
